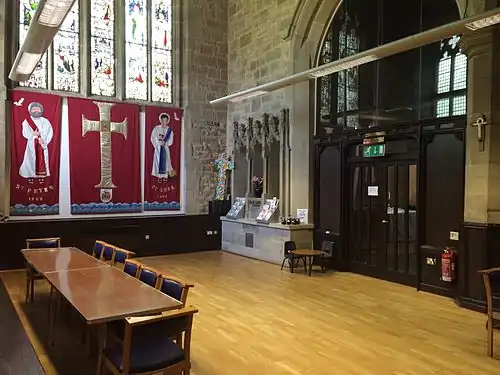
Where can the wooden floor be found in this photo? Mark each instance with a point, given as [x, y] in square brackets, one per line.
[256, 320]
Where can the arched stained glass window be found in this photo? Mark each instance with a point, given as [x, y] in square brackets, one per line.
[451, 80]
[102, 47]
[39, 78]
[143, 47]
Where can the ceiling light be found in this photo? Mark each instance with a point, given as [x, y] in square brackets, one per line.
[485, 22]
[343, 66]
[27, 63]
[54, 12]
[248, 96]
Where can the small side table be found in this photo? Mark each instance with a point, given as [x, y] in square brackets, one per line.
[309, 255]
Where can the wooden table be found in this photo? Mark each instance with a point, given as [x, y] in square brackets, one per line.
[307, 254]
[99, 292]
[58, 259]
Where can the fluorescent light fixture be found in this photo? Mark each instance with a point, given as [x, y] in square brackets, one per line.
[343, 66]
[27, 63]
[463, 26]
[485, 22]
[53, 12]
[248, 96]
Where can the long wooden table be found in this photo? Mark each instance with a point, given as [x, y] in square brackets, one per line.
[99, 292]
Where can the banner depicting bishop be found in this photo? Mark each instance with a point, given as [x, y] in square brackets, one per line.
[105, 157]
[35, 154]
[162, 157]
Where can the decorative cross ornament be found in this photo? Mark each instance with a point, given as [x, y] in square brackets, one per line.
[105, 127]
[222, 164]
[480, 124]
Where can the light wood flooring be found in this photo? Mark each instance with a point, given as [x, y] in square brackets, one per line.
[256, 320]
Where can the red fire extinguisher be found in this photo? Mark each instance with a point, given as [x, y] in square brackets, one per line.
[448, 264]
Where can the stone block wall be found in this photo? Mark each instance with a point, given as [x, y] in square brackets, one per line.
[204, 62]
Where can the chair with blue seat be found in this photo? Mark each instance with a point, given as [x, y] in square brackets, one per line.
[132, 267]
[491, 280]
[289, 257]
[121, 255]
[174, 288]
[149, 276]
[325, 261]
[148, 347]
[108, 253]
[31, 274]
[98, 248]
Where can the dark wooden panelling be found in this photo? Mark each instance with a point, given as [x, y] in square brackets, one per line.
[430, 274]
[167, 234]
[480, 251]
[17, 356]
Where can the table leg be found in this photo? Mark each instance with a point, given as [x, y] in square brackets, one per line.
[290, 262]
[310, 265]
[49, 313]
[101, 343]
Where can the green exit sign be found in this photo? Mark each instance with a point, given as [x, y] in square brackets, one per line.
[372, 151]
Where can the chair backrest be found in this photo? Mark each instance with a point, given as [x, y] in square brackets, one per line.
[327, 247]
[173, 323]
[491, 280]
[132, 268]
[43, 243]
[108, 253]
[121, 255]
[98, 248]
[174, 288]
[288, 246]
[149, 276]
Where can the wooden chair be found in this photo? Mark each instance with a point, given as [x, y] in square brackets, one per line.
[174, 288]
[491, 280]
[132, 268]
[31, 274]
[288, 246]
[98, 248]
[326, 260]
[148, 347]
[122, 255]
[108, 253]
[149, 276]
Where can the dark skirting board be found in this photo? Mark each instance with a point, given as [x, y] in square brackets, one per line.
[17, 355]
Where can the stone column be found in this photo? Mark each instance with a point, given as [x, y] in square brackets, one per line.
[480, 237]
[482, 175]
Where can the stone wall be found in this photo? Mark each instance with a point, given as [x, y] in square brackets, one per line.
[204, 61]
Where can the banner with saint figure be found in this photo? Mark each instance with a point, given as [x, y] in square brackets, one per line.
[104, 152]
[35, 154]
[162, 154]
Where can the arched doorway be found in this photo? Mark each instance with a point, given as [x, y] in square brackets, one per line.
[392, 131]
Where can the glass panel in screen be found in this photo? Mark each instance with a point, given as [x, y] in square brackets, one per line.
[391, 219]
[403, 218]
[412, 218]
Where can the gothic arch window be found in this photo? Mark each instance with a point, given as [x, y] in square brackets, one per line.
[451, 80]
[134, 36]
[423, 83]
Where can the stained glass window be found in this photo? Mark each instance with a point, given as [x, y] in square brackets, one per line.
[66, 53]
[162, 50]
[38, 78]
[451, 80]
[102, 47]
[136, 50]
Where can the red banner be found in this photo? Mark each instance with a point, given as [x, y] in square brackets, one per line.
[35, 153]
[162, 159]
[104, 157]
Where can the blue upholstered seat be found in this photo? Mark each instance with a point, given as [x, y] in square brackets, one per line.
[108, 252]
[43, 243]
[152, 347]
[172, 288]
[149, 276]
[131, 268]
[121, 255]
[98, 248]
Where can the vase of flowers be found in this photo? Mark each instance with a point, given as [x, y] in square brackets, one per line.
[257, 186]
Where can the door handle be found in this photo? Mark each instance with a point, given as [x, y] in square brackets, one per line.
[384, 221]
